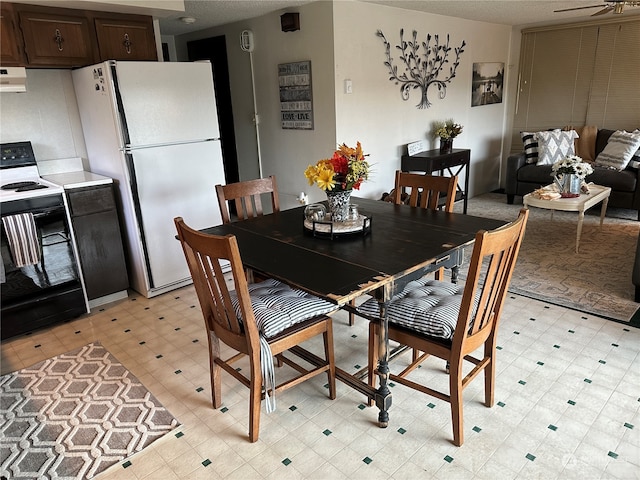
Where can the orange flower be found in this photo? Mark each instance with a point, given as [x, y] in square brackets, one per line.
[346, 169]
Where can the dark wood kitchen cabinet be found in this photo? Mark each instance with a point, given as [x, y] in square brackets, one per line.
[94, 220]
[125, 38]
[56, 37]
[41, 36]
[11, 54]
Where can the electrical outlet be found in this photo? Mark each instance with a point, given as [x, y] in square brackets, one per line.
[348, 86]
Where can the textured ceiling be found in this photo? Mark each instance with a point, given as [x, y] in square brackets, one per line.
[211, 13]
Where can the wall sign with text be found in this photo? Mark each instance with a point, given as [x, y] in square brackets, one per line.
[296, 103]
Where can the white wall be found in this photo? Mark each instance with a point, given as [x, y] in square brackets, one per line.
[287, 153]
[340, 40]
[46, 114]
[375, 112]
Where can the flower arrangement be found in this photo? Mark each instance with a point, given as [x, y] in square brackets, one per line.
[572, 165]
[345, 170]
[447, 129]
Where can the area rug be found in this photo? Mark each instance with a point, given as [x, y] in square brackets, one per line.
[597, 280]
[74, 415]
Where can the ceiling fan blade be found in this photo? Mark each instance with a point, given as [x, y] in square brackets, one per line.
[606, 9]
[579, 8]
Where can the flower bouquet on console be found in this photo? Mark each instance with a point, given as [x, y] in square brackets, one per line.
[446, 131]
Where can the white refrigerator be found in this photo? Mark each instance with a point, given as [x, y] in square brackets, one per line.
[153, 127]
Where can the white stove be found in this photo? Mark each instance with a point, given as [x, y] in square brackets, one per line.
[19, 176]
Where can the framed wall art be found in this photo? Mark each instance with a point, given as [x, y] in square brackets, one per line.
[296, 101]
[487, 84]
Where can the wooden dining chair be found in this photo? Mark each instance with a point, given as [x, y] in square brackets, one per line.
[450, 322]
[427, 191]
[247, 197]
[247, 200]
[258, 320]
[424, 191]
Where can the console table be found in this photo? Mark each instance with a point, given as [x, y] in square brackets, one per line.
[434, 161]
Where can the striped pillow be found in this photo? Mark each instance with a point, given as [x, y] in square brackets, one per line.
[426, 306]
[530, 144]
[620, 150]
[277, 306]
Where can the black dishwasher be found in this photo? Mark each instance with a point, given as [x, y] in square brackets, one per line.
[95, 223]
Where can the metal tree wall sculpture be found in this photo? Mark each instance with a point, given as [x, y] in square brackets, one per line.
[422, 71]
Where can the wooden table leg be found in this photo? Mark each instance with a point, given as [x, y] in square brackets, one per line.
[579, 233]
[383, 394]
[603, 210]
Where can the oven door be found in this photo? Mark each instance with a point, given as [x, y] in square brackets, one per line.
[50, 290]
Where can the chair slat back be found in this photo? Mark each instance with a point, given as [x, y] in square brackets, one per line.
[203, 254]
[426, 190]
[247, 197]
[490, 270]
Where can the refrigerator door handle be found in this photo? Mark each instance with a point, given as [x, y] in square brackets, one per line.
[128, 148]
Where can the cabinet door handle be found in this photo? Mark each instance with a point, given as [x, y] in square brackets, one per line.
[58, 39]
[127, 43]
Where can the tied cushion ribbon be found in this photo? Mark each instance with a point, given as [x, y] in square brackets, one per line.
[23, 239]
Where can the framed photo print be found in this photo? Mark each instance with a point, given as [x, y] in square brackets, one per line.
[487, 85]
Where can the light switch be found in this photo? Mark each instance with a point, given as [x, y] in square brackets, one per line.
[348, 86]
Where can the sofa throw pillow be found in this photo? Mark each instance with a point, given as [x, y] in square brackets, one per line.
[554, 146]
[585, 144]
[620, 149]
[635, 160]
[530, 144]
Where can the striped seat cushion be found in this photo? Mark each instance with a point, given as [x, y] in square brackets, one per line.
[277, 306]
[426, 306]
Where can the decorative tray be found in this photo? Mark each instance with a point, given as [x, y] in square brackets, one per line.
[327, 228]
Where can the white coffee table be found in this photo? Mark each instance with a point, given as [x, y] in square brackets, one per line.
[597, 194]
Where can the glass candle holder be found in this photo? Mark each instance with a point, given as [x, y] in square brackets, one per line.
[315, 212]
[353, 214]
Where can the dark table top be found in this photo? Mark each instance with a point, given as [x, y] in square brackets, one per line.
[403, 240]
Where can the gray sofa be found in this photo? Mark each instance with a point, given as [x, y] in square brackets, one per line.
[523, 178]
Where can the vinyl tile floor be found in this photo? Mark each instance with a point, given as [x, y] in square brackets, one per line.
[567, 402]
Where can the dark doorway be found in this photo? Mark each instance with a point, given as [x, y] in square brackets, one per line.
[214, 49]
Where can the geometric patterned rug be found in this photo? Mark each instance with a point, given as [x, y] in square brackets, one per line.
[74, 415]
[596, 281]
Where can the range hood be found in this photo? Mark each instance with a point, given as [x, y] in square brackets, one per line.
[13, 79]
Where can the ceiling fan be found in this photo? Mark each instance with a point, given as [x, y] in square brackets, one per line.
[615, 6]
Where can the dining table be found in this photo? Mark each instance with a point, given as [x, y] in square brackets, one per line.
[401, 244]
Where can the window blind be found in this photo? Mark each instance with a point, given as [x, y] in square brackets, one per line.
[580, 74]
[614, 101]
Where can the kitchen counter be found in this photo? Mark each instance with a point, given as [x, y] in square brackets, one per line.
[77, 179]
